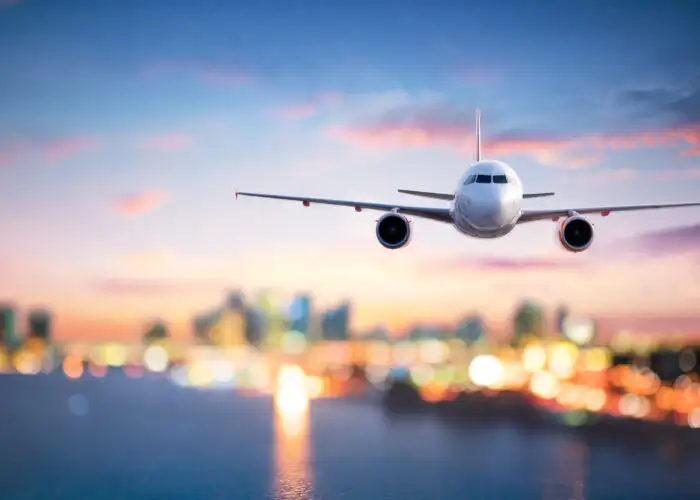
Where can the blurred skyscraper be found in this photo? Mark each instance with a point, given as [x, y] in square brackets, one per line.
[300, 314]
[527, 323]
[8, 327]
[39, 325]
[274, 322]
[470, 329]
[157, 331]
[202, 324]
[336, 323]
[561, 316]
[236, 301]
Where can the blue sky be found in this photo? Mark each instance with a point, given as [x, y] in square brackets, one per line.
[127, 126]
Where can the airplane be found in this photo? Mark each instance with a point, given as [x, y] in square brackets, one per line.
[486, 203]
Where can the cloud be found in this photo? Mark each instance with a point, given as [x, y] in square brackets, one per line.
[683, 105]
[134, 286]
[139, 204]
[309, 109]
[447, 126]
[675, 240]
[167, 142]
[504, 264]
[225, 75]
[13, 151]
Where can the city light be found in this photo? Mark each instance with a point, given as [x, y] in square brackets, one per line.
[486, 371]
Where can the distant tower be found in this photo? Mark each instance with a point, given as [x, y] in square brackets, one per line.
[336, 323]
[300, 314]
[527, 323]
[40, 325]
[235, 301]
[156, 332]
[8, 326]
[470, 329]
[561, 317]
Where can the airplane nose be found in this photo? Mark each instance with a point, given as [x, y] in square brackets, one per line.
[491, 210]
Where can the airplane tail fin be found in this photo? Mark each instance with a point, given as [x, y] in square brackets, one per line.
[478, 135]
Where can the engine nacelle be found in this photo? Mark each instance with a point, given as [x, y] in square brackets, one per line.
[393, 231]
[576, 234]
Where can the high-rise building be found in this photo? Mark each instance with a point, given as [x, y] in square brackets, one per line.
[229, 329]
[235, 301]
[157, 331]
[201, 325]
[39, 324]
[336, 323]
[8, 326]
[527, 323]
[300, 314]
[561, 316]
[470, 329]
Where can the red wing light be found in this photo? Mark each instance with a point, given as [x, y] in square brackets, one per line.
[358, 209]
[555, 219]
[605, 213]
[306, 203]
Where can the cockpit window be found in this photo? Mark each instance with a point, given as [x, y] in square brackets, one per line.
[470, 179]
[483, 179]
[500, 179]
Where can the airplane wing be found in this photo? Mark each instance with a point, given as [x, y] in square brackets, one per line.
[536, 195]
[534, 215]
[438, 214]
[429, 194]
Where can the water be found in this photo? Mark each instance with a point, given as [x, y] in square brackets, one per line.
[118, 438]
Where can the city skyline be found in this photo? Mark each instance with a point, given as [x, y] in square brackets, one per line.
[119, 157]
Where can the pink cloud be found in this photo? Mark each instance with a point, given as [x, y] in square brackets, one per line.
[135, 286]
[168, 142]
[568, 151]
[211, 74]
[503, 264]
[140, 204]
[17, 150]
[307, 109]
[298, 111]
[70, 146]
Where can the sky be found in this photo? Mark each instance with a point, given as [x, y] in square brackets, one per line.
[127, 126]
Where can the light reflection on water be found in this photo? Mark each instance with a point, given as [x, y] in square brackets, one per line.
[292, 479]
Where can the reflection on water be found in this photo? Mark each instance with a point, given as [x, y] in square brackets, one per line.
[568, 471]
[292, 475]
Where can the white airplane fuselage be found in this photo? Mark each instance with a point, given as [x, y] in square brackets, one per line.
[488, 200]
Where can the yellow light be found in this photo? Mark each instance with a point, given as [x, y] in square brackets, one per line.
[595, 399]
[156, 358]
[486, 371]
[291, 397]
[434, 351]
[597, 359]
[422, 375]
[534, 358]
[694, 418]
[562, 359]
[545, 385]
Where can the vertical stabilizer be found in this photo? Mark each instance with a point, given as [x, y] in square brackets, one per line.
[478, 135]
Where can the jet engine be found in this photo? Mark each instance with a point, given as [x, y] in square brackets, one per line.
[576, 234]
[393, 231]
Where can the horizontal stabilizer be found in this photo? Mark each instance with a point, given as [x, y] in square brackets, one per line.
[537, 195]
[428, 194]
